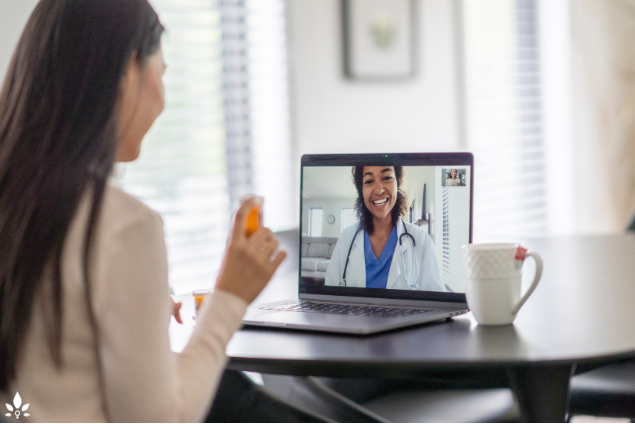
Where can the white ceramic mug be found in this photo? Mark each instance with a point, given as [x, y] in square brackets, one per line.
[493, 275]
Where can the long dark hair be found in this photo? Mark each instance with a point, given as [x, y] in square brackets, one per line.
[58, 140]
[362, 212]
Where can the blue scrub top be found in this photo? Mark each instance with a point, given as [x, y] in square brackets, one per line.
[377, 269]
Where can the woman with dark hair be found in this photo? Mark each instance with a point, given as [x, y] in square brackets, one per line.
[453, 179]
[383, 251]
[84, 304]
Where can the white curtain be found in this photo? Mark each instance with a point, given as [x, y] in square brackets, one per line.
[603, 86]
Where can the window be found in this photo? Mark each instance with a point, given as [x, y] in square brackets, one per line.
[504, 118]
[272, 159]
[347, 219]
[218, 128]
[315, 222]
[256, 99]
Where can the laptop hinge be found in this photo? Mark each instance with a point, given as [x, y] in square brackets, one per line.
[380, 301]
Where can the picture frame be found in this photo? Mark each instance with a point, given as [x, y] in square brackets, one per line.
[379, 39]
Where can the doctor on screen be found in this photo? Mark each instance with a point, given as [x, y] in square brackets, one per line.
[383, 251]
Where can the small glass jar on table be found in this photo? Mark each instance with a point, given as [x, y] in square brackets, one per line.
[199, 297]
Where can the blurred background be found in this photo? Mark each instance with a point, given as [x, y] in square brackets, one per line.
[541, 91]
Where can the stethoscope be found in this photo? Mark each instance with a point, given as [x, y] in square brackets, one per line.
[414, 286]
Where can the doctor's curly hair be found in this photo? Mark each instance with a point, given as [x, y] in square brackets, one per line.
[363, 214]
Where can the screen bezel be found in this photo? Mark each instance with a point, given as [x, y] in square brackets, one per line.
[384, 159]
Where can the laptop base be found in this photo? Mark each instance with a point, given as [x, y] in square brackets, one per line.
[335, 323]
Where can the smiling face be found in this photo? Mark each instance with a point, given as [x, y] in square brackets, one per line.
[379, 187]
[453, 174]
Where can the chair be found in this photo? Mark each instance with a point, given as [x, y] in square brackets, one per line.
[483, 405]
[350, 400]
[608, 391]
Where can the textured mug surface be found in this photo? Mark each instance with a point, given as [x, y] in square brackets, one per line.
[493, 277]
[492, 260]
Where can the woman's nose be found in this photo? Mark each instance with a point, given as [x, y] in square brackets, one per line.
[378, 188]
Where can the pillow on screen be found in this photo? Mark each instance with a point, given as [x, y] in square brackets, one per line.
[309, 264]
[323, 265]
[318, 250]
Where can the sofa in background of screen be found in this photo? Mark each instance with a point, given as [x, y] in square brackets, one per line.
[316, 256]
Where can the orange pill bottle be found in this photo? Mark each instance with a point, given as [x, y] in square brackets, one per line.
[254, 220]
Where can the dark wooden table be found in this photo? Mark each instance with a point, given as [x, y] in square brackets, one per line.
[581, 316]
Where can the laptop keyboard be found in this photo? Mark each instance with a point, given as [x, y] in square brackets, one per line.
[351, 310]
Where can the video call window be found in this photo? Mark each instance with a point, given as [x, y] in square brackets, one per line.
[338, 242]
[453, 177]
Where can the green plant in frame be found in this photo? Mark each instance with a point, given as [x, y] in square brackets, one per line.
[383, 32]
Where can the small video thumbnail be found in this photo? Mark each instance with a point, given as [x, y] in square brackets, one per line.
[453, 177]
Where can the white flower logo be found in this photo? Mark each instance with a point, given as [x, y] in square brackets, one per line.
[17, 402]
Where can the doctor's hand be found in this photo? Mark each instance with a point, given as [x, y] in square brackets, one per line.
[249, 262]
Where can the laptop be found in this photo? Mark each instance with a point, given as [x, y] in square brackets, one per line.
[380, 243]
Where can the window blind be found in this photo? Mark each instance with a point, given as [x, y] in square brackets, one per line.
[202, 152]
[504, 124]
[236, 93]
[257, 106]
[447, 272]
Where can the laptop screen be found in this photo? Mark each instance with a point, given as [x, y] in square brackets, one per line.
[389, 225]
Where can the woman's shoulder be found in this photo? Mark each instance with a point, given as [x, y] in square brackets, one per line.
[349, 231]
[418, 232]
[121, 209]
[412, 228]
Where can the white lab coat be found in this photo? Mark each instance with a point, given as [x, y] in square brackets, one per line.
[429, 276]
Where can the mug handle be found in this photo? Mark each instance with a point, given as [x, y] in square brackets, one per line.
[538, 260]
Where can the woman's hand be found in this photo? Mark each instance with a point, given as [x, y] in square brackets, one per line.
[176, 310]
[249, 262]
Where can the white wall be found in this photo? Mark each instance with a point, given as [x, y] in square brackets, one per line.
[13, 17]
[414, 179]
[335, 115]
[330, 206]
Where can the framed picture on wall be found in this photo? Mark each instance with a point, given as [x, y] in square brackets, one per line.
[378, 39]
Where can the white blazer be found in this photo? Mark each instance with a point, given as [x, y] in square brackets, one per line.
[426, 259]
